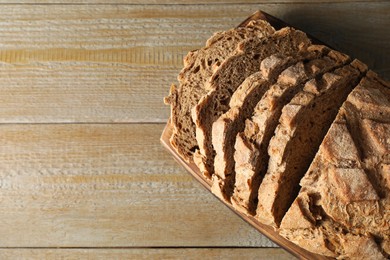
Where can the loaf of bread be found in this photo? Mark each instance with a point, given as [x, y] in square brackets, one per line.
[294, 134]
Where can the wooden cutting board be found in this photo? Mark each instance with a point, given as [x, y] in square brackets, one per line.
[194, 171]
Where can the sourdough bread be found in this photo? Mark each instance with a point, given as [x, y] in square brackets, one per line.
[251, 155]
[198, 67]
[256, 109]
[346, 184]
[228, 77]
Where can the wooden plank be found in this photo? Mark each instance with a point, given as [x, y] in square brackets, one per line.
[105, 185]
[179, 2]
[114, 63]
[141, 253]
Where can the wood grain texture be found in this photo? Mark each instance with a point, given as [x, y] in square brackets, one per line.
[85, 185]
[114, 63]
[178, 2]
[166, 253]
[113, 185]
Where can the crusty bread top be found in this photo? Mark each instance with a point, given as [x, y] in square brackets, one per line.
[198, 67]
[346, 181]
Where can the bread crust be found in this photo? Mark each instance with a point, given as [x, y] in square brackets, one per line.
[347, 178]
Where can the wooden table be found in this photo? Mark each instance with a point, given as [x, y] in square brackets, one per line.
[82, 172]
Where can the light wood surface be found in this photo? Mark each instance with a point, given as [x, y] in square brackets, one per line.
[110, 63]
[176, 2]
[105, 185]
[82, 171]
[143, 253]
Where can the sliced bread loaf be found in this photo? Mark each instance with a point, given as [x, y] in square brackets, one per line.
[302, 127]
[251, 157]
[345, 194]
[228, 77]
[198, 67]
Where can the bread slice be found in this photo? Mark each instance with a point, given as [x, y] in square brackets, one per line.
[251, 145]
[302, 127]
[346, 192]
[228, 77]
[198, 67]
